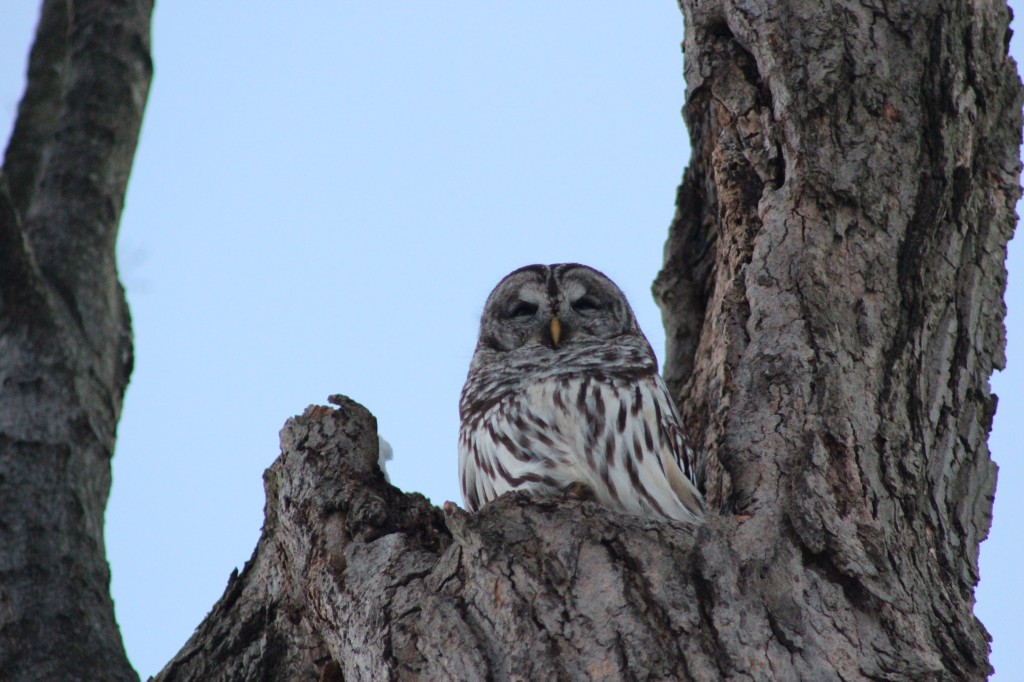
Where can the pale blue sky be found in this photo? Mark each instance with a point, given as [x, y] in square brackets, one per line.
[320, 203]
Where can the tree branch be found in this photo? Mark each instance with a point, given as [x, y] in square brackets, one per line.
[40, 106]
[84, 155]
[66, 336]
[352, 576]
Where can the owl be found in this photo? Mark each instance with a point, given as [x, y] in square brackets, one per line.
[564, 396]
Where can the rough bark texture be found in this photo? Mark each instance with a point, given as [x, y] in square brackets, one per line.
[833, 295]
[353, 580]
[65, 336]
[832, 291]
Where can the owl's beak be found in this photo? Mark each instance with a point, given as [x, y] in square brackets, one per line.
[556, 331]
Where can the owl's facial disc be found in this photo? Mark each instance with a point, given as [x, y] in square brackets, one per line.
[553, 306]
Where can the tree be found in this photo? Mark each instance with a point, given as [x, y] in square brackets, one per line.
[66, 336]
[832, 293]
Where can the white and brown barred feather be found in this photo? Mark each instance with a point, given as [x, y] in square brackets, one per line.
[541, 416]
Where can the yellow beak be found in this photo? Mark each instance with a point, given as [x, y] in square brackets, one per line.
[556, 330]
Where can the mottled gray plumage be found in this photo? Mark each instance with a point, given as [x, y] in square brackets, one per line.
[564, 394]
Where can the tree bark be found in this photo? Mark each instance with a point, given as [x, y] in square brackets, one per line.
[833, 295]
[351, 579]
[65, 336]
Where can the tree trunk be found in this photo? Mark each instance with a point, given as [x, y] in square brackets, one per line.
[65, 336]
[833, 296]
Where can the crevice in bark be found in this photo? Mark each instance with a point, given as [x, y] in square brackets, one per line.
[22, 290]
[705, 599]
[701, 289]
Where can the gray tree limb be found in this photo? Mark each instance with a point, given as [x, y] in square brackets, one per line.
[351, 579]
[65, 336]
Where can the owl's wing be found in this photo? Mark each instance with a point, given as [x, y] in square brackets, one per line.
[677, 460]
[629, 445]
[468, 472]
[678, 470]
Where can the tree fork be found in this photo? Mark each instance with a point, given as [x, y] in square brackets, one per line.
[832, 294]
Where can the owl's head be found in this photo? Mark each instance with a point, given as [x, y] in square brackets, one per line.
[554, 306]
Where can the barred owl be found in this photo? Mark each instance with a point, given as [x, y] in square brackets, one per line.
[564, 394]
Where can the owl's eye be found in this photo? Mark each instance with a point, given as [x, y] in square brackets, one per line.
[523, 310]
[586, 304]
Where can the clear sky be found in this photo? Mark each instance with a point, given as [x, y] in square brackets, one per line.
[321, 201]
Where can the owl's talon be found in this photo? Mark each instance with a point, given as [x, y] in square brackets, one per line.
[579, 491]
